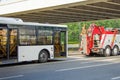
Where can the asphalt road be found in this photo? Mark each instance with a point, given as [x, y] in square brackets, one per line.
[73, 68]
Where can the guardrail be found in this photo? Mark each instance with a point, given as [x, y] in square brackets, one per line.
[73, 45]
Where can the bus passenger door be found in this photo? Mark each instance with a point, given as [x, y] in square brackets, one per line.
[63, 43]
[59, 44]
[8, 43]
[3, 43]
[13, 43]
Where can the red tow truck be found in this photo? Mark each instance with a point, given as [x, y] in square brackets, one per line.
[98, 40]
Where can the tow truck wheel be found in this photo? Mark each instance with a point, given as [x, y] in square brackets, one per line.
[107, 51]
[115, 51]
[43, 56]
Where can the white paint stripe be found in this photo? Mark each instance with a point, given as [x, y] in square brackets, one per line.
[116, 78]
[108, 60]
[99, 60]
[10, 77]
[84, 59]
[68, 69]
[76, 57]
[81, 59]
[72, 60]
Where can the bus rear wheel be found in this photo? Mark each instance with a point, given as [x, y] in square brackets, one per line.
[43, 56]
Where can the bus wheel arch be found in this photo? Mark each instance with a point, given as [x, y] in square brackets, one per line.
[115, 50]
[43, 56]
[107, 51]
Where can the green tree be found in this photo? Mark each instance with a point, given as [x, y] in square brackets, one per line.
[74, 29]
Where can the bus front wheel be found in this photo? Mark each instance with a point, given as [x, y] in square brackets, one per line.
[43, 56]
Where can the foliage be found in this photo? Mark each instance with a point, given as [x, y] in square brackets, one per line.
[74, 29]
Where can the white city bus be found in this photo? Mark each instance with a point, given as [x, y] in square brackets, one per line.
[25, 41]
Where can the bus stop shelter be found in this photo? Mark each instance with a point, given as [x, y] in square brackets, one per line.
[61, 11]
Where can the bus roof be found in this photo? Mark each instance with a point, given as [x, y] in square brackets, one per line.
[32, 24]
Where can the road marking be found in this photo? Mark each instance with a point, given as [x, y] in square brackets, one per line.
[93, 59]
[116, 78]
[108, 59]
[76, 56]
[11, 77]
[68, 69]
[84, 59]
[103, 60]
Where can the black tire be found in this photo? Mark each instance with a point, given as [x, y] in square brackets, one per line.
[115, 51]
[107, 51]
[43, 56]
[91, 54]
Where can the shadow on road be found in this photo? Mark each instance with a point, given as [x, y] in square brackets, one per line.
[28, 63]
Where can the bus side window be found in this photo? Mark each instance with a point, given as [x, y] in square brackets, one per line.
[27, 36]
[45, 37]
